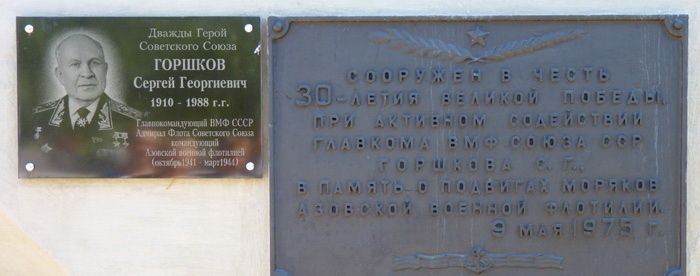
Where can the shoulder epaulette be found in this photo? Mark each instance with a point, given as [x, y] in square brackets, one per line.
[46, 106]
[125, 110]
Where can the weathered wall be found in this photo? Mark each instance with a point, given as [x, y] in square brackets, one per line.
[216, 227]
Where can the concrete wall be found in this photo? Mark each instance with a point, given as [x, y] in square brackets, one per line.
[216, 227]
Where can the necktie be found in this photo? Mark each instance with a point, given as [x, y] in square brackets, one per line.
[82, 121]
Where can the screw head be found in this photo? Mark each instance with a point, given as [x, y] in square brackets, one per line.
[678, 24]
[277, 27]
[29, 167]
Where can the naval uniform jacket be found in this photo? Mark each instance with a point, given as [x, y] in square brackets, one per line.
[104, 142]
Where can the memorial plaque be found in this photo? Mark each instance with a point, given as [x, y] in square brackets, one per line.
[493, 146]
[139, 97]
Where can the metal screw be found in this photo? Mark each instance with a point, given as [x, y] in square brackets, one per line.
[277, 27]
[29, 166]
[678, 24]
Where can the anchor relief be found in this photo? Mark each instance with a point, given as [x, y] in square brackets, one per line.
[478, 261]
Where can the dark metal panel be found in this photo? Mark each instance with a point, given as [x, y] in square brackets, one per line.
[533, 145]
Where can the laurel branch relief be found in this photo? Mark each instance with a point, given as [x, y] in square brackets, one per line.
[409, 44]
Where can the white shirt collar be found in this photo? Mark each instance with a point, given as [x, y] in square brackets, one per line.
[73, 107]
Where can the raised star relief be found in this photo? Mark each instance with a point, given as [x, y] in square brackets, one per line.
[477, 36]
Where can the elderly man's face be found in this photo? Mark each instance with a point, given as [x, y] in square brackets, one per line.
[81, 68]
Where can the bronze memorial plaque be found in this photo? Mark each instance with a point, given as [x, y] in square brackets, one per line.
[493, 146]
[139, 96]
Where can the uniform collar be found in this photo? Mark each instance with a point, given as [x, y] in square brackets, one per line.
[102, 112]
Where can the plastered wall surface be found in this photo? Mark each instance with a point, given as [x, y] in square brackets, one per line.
[217, 227]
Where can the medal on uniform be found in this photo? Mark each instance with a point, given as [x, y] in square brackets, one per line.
[46, 148]
[37, 133]
[120, 139]
[81, 122]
